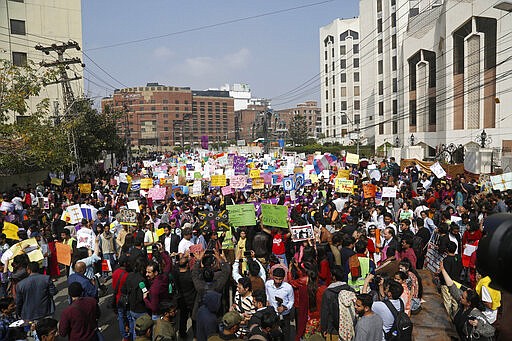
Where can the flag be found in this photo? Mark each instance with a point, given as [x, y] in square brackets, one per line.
[204, 141]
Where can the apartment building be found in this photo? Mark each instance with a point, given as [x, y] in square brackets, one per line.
[26, 24]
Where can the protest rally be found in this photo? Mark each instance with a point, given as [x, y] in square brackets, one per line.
[235, 246]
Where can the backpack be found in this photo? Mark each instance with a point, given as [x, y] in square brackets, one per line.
[402, 326]
[333, 306]
[418, 246]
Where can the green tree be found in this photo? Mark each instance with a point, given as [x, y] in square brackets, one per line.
[298, 131]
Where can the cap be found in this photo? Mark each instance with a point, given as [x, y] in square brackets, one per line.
[143, 323]
[231, 319]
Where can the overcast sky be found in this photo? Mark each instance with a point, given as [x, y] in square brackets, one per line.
[271, 45]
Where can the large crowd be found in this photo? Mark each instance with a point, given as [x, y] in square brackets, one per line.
[171, 273]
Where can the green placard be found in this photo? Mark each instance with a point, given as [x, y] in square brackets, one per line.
[242, 215]
[274, 215]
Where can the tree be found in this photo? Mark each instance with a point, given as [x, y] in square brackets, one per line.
[298, 131]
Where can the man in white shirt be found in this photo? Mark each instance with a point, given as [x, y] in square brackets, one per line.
[185, 243]
[393, 292]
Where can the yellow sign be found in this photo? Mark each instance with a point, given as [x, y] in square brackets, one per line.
[343, 185]
[218, 180]
[352, 158]
[85, 188]
[258, 183]
[146, 183]
[56, 181]
[313, 178]
[11, 231]
[343, 173]
[254, 173]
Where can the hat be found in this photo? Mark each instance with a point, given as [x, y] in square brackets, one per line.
[231, 319]
[278, 272]
[143, 323]
[187, 226]
[187, 229]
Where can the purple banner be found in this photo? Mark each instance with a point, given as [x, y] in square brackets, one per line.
[239, 164]
[204, 141]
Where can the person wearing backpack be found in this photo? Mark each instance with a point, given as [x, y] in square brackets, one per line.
[397, 326]
[330, 310]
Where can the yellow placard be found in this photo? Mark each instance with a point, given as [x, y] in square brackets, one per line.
[254, 173]
[146, 183]
[258, 183]
[11, 231]
[343, 185]
[313, 178]
[159, 232]
[343, 173]
[352, 158]
[56, 181]
[85, 188]
[218, 180]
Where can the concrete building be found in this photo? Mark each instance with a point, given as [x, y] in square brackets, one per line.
[309, 110]
[241, 94]
[247, 122]
[340, 79]
[25, 24]
[159, 117]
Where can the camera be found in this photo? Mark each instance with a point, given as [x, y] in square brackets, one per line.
[494, 252]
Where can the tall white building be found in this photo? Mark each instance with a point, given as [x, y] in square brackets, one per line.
[431, 72]
[340, 79]
[241, 93]
[27, 23]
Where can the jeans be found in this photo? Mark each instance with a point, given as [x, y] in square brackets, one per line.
[121, 314]
[132, 317]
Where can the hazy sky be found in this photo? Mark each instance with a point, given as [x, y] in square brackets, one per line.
[271, 45]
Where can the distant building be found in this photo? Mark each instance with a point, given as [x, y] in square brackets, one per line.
[160, 116]
[312, 118]
[241, 94]
[25, 24]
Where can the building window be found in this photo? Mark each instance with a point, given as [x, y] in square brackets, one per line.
[343, 92]
[176, 102]
[333, 66]
[343, 105]
[325, 55]
[381, 88]
[356, 76]
[380, 67]
[393, 2]
[379, 25]
[326, 94]
[165, 108]
[394, 63]
[395, 85]
[326, 81]
[18, 27]
[356, 62]
[332, 52]
[326, 68]
[356, 91]
[166, 115]
[343, 77]
[333, 79]
[393, 20]
[395, 107]
[381, 108]
[379, 46]
[379, 5]
[357, 105]
[327, 107]
[165, 101]
[357, 119]
[333, 106]
[333, 93]
[356, 48]
[393, 41]
[381, 128]
[343, 50]
[343, 64]
[19, 58]
[395, 127]
[153, 108]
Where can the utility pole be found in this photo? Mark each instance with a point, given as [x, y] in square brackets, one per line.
[69, 98]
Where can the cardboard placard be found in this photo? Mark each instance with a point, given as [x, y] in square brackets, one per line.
[11, 231]
[254, 173]
[85, 238]
[227, 190]
[352, 159]
[369, 190]
[388, 192]
[238, 181]
[85, 188]
[63, 253]
[343, 185]
[218, 180]
[258, 183]
[274, 215]
[146, 183]
[242, 215]
[157, 193]
[300, 233]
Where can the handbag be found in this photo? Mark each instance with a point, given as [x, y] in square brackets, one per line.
[112, 302]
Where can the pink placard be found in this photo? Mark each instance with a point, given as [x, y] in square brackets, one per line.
[157, 193]
[227, 190]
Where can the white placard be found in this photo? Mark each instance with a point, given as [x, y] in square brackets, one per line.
[133, 205]
[85, 238]
[388, 192]
[438, 170]
[75, 214]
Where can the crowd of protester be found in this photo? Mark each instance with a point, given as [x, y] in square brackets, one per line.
[356, 279]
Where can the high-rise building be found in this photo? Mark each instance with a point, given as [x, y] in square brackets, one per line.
[340, 79]
[159, 117]
[26, 24]
[312, 119]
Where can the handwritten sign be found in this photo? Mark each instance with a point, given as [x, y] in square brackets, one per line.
[218, 180]
[241, 215]
[85, 188]
[56, 181]
[227, 190]
[258, 183]
[274, 215]
[343, 185]
[239, 164]
[438, 170]
[157, 193]
[254, 173]
[388, 192]
[352, 158]
[146, 183]
[343, 173]
[238, 181]
[85, 238]
[75, 214]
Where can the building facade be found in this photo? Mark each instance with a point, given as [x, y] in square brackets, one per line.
[159, 117]
[340, 79]
[26, 24]
[312, 118]
[432, 73]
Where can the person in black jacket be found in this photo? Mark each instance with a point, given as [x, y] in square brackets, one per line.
[329, 310]
[186, 294]
[133, 289]
[169, 240]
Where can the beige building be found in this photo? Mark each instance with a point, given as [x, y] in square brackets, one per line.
[25, 24]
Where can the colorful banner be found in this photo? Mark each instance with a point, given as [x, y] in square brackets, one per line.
[274, 215]
[242, 215]
[343, 185]
[204, 141]
[56, 181]
[218, 180]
